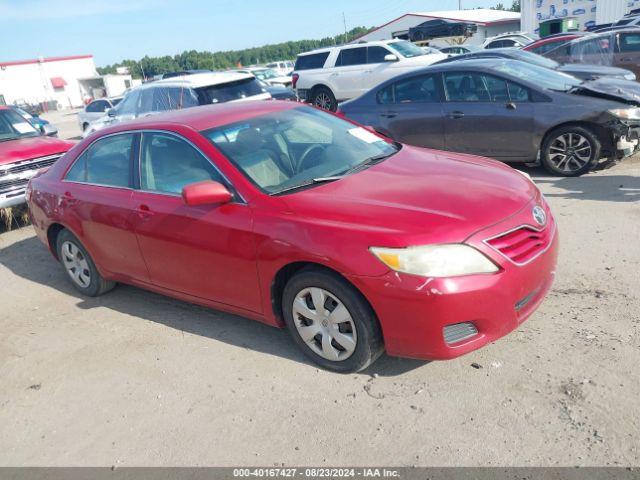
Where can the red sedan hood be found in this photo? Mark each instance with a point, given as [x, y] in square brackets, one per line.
[31, 147]
[420, 195]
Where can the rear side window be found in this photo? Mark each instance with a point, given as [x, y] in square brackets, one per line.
[106, 162]
[173, 98]
[352, 56]
[465, 87]
[226, 92]
[308, 62]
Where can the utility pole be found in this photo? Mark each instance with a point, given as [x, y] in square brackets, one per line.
[459, 4]
[344, 21]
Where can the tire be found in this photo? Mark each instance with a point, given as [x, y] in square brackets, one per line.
[80, 267]
[570, 151]
[350, 345]
[324, 98]
[418, 36]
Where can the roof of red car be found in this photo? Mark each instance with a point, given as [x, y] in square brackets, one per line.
[207, 116]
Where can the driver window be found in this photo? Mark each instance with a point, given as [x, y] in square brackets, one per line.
[168, 163]
[465, 87]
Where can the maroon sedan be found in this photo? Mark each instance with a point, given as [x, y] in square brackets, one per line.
[294, 217]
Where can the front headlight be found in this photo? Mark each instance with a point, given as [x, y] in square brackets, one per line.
[626, 113]
[630, 76]
[449, 260]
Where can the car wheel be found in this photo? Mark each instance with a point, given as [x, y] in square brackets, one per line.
[418, 36]
[80, 267]
[331, 321]
[570, 151]
[324, 98]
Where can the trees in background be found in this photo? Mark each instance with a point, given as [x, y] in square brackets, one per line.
[195, 60]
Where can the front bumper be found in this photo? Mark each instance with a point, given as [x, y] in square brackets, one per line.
[414, 311]
[626, 138]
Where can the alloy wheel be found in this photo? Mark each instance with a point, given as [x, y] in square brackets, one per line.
[570, 152]
[324, 324]
[323, 101]
[76, 264]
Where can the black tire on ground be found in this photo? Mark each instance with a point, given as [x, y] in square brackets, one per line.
[570, 151]
[324, 98]
[369, 344]
[418, 36]
[96, 285]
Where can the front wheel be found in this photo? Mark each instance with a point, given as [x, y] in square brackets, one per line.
[324, 98]
[570, 151]
[331, 322]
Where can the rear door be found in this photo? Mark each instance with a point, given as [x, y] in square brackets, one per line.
[482, 118]
[97, 198]
[627, 52]
[347, 77]
[411, 111]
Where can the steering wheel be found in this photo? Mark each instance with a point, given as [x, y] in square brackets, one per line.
[305, 155]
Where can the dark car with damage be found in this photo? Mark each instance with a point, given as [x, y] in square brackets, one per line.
[441, 27]
[508, 110]
[582, 71]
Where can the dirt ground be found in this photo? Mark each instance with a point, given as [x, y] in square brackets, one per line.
[133, 378]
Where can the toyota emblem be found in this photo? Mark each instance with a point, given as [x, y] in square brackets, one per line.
[539, 215]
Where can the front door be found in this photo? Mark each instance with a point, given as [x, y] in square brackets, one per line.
[97, 199]
[481, 118]
[206, 251]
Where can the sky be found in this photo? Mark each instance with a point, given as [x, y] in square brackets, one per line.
[113, 30]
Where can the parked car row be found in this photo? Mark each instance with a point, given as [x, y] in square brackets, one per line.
[507, 103]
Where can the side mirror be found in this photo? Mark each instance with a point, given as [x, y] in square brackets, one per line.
[390, 58]
[49, 130]
[205, 193]
[111, 112]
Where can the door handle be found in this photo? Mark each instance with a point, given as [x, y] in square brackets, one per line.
[389, 115]
[456, 114]
[144, 212]
[627, 59]
[511, 106]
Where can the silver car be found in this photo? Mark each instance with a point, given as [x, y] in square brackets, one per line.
[95, 110]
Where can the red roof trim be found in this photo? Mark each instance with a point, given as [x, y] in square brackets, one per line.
[484, 24]
[45, 60]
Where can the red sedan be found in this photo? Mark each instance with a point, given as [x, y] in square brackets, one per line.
[294, 217]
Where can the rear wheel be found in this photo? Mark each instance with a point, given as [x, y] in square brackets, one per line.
[418, 36]
[331, 322]
[324, 98]
[80, 267]
[570, 151]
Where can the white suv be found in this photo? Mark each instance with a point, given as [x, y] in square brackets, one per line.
[182, 92]
[329, 75]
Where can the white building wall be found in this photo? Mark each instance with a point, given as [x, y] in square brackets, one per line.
[116, 84]
[587, 12]
[31, 82]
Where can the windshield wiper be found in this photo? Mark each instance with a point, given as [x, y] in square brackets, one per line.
[313, 181]
[367, 163]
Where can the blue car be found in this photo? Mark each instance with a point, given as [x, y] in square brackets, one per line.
[40, 123]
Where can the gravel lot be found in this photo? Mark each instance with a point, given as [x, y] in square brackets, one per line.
[133, 378]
